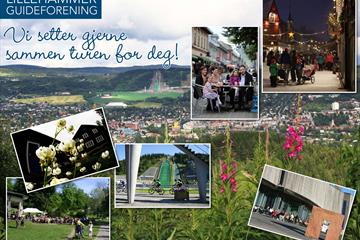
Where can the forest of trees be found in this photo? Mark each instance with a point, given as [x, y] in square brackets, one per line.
[65, 200]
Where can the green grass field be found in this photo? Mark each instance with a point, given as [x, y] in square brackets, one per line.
[35, 231]
[38, 231]
[133, 97]
[146, 105]
[53, 100]
[140, 96]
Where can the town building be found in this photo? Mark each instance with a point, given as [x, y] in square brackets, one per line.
[296, 194]
[200, 43]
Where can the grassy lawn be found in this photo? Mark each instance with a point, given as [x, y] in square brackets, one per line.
[54, 100]
[45, 231]
[133, 97]
[146, 105]
[38, 231]
[140, 96]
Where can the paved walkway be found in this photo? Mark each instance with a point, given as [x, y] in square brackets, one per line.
[144, 200]
[199, 113]
[325, 81]
[282, 228]
[103, 233]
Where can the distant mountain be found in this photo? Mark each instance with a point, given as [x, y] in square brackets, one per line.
[85, 70]
[26, 79]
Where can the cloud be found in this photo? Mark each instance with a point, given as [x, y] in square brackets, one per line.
[146, 23]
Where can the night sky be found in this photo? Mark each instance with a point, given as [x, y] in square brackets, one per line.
[311, 14]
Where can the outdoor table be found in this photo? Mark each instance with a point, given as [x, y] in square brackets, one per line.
[226, 89]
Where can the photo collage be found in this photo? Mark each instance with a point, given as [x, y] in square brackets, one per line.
[241, 121]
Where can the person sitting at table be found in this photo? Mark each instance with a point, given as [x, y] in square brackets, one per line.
[201, 78]
[234, 80]
[245, 79]
[216, 77]
[210, 93]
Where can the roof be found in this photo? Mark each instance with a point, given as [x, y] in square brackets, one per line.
[17, 194]
[273, 8]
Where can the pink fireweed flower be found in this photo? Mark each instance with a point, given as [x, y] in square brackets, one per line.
[222, 189]
[224, 176]
[233, 180]
[293, 142]
[234, 189]
[224, 167]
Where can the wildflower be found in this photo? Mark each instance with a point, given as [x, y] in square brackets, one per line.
[84, 155]
[96, 166]
[233, 180]
[45, 154]
[105, 154]
[81, 140]
[72, 159]
[78, 164]
[224, 167]
[70, 129]
[55, 180]
[56, 171]
[67, 146]
[29, 186]
[74, 152]
[68, 173]
[61, 124]
[234, 188]
[80, 148]
[223, 176]
[293, 142]
[222, 189]
[83, 169]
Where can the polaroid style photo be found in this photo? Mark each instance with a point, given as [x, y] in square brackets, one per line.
[28, 217]
[175, 175]
[300, 207]
[65, 149]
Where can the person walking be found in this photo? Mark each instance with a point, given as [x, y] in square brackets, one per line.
[293, 57]
[285, 61]
[320, 61]
[329, 61]
[273, 68]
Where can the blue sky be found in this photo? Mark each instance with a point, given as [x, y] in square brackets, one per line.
[168, 149]
[146, 23]
[88, 184]
[348, 190]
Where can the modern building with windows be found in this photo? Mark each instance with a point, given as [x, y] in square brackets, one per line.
[296, 194]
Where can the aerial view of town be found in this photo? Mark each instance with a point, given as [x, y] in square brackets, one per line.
[141, 103]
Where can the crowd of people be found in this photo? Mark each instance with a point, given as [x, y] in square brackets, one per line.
[216, 82]
[283, 216]
[298, 66]
[79, 223]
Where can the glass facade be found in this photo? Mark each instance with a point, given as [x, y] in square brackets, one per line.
[281, 201]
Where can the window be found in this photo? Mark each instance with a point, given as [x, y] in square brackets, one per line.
[89, 144]
[99, 139]
[85, 135]
[344, 207]
[95, 131]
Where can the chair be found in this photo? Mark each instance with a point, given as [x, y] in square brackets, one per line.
[198, 95]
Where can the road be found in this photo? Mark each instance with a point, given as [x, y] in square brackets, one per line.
[276, 226]
[104, 233]
[325, 81]
[145, 200]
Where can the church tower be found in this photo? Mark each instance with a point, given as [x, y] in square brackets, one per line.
[290, 25]
[272, 25]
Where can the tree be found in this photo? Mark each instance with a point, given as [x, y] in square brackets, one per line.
[247, 37]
